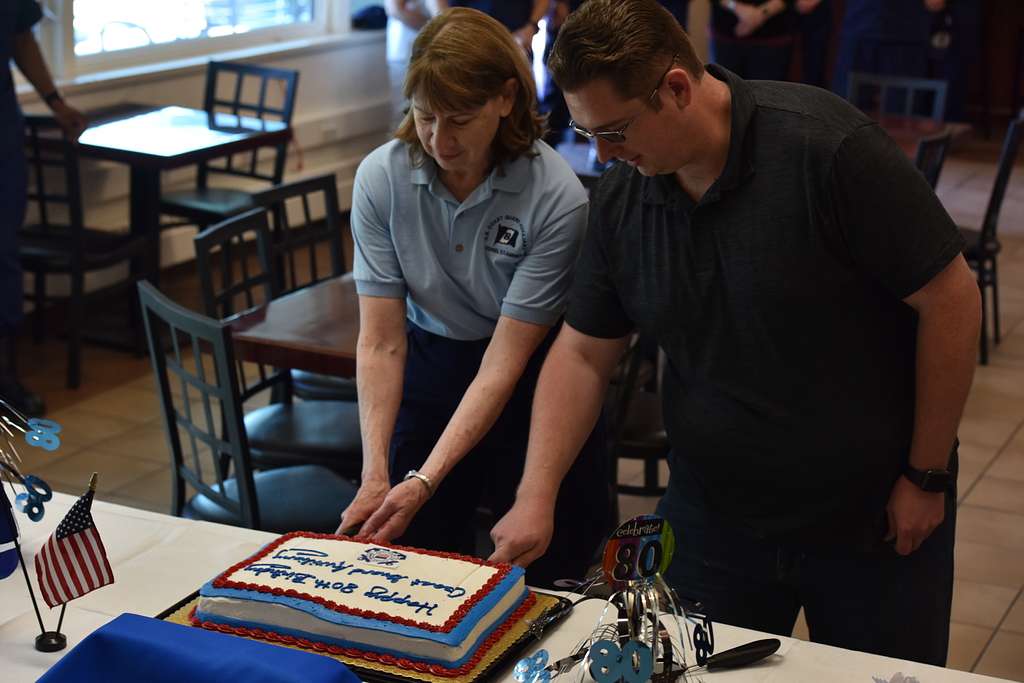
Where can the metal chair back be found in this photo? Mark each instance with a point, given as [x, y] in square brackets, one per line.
[1007, 159]
[253, 91]
[912, 97]
[196, 381]
[236, 274]
[306, 231]
[931, 155]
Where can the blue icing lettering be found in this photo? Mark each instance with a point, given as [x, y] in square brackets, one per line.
[387, 576]
[382, 593]
[452, 591]
[278, 571]
[339, 586]
[309, 558]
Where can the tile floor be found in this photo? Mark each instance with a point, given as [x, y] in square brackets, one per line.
[112, 425]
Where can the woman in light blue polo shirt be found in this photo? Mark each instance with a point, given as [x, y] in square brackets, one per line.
[466, 231]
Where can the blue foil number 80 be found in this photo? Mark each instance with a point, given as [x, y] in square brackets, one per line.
[634, 663]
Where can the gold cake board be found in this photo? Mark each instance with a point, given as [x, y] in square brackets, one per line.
[514, 637]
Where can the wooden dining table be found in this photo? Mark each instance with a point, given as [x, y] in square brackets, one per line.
[313, 329]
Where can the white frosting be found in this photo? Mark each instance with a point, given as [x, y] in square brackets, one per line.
[423, 578]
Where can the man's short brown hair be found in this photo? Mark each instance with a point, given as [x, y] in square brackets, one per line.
[625, 42]
[461, 59]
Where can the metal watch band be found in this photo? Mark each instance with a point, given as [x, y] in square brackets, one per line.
[414, 474]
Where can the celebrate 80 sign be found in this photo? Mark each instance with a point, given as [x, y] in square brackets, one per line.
[637, 550]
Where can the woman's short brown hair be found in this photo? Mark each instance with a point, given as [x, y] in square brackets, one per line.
[461, 59]
[625, 42]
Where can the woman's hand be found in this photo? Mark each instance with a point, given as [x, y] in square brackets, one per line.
[70, 119]
[393, 515]
[367, 501]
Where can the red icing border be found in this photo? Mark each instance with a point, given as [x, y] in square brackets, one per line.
[222, 582]
[390, 660]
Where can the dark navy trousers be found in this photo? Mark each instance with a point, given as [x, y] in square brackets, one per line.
[874, 601]
[438, 371]
[12, 208]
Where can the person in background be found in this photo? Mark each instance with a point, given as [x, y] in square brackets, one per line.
[814, 23]
[521, 17]
[889, 37]
[466, 230]
[405, 19]
[17, 43]
[753, 39]
[820, 325]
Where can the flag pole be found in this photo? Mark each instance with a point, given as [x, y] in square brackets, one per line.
[31, 593]
[63, 608]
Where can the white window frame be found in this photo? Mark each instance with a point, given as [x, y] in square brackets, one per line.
[57, 39]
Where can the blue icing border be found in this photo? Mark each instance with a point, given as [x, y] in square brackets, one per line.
[453, 637]
[398, 629]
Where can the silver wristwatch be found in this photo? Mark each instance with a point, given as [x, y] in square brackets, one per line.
[415, 474]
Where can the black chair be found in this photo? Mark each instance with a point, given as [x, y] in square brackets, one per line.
[307, 248]
[285, 432]
[55, 239]
[983, 245]
[913, 97]
[306, 497]
[634, 413]
[205, 205]
[931, 155]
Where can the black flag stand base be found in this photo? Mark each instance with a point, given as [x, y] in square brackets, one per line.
[51, 641]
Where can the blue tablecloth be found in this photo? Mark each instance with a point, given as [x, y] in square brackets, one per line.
[135, 648]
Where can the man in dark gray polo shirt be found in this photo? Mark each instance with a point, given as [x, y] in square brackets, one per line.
[820, 327]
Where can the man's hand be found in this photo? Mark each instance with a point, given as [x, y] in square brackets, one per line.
[749, 19]
[807, 6]
[394, 514]
[935, 5]
[523, 534]
[368, 499]
[913, 515]
[70, 119]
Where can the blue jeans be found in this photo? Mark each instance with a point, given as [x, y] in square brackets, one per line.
[878, 602]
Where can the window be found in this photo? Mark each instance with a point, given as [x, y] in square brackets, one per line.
[87, 36]
[105, 26]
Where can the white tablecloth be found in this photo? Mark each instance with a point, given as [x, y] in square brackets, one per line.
[158, 559]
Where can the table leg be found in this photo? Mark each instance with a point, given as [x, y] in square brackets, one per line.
[145, 217]
[145, 220]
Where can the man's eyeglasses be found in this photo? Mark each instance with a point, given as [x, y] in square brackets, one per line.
[619, 136]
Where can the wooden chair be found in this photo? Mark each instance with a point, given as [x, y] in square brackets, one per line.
[285, 432]
[202, 411]
[307, 248]
[55, 239]
[912, 97]
[931, 155]
[205, 205]
[983, 245]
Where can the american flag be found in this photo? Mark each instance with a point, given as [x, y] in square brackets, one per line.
[73, 561]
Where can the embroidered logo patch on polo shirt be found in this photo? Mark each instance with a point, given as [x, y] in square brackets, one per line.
[504, 235]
